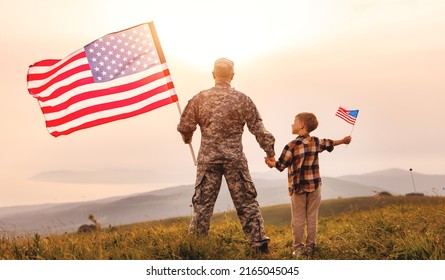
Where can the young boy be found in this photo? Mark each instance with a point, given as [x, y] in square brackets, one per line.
[301, 158]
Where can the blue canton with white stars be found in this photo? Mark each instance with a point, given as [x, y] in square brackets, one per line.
[121, 54]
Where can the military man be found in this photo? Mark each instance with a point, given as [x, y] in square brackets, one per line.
[221, 113]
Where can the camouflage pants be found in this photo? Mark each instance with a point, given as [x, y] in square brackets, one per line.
[242, 191]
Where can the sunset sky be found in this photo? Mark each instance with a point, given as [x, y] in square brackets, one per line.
[383, 57]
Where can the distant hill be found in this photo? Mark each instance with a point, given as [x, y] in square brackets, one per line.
[154, 205]
[175, 201]
[399, 181]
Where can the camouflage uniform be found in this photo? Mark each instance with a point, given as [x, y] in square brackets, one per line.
[221, 112]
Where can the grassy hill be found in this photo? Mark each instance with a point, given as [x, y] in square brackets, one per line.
[354, 228]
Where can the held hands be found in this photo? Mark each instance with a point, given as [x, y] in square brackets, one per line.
[270, 161]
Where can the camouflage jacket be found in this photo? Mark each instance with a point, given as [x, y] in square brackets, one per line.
[221, 113]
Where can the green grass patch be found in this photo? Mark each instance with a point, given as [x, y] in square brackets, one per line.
[388, 228]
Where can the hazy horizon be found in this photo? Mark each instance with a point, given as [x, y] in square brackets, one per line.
[89, 186]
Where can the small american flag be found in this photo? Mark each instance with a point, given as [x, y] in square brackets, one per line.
[350, 116]
[120, 75]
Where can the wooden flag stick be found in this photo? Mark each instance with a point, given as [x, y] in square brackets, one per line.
[350, 134]
[352, 129]
[190, 144]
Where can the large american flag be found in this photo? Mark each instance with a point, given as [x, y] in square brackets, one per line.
[120, 75]
[350, 116]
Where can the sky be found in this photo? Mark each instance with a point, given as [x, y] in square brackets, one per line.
[385, 58]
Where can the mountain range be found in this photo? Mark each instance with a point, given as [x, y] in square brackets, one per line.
[400, 182]
[175, 201]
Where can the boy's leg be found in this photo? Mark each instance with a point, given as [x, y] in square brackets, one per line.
[243, 193]
[313, 206]
[298, 208]
[207, 186]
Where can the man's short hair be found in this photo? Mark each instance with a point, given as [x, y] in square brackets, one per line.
[223, 68]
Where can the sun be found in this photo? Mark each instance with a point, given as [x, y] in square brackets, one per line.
[236, 31]
[201, 44]
[199, 32]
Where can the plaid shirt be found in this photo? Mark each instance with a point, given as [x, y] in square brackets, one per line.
[301, 158]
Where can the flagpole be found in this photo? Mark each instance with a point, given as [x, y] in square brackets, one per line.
[350, 134]
[162, 59]
[190, 144]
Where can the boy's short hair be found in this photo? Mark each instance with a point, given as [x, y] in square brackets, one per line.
[309, 119]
